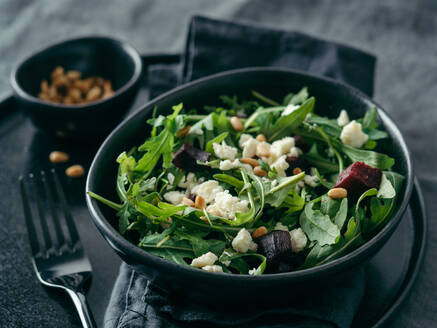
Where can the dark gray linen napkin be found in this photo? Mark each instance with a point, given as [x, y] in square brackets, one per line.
[214, 46]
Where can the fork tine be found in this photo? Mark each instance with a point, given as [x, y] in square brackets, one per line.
[31, 232]
[74, 236]
[42, 217]
[59, 234]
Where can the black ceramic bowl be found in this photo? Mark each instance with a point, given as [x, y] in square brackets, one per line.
[108, 58]
[225, 289]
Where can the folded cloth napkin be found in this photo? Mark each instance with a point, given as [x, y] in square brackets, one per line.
[214, 46]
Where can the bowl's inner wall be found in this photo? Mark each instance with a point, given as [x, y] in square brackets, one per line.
[93, 57]
[330, 99]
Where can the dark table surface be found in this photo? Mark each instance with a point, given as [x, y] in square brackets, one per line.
[402, 34]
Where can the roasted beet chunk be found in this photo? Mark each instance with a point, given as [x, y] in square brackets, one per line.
[275, 246]
[294, 162]
[187, 156]
[358, 178]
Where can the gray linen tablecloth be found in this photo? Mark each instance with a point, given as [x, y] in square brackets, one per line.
[402, 34]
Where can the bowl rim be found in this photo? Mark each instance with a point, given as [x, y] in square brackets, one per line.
[127, 48]
[116, 240]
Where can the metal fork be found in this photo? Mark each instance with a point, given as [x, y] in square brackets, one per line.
[58, 262]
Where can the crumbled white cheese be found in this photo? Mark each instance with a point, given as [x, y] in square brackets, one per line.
[281, 147]
[174, 197]
[299, 186]
[353, 135]
[295, 151]
[243, 138]
[250, 147]
[289, 109]
[311, 180]
[228, 205]
[208, 190]
[343, 118]
[243, 242]
[281, 165]
[229, 165]
[280, 226]
[213, 268]
[252, 271]
[203, 260]
[189, 182]
[298, 240]
[170, 178]
[223, 151]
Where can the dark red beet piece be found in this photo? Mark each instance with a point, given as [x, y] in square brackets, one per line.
[187, 156]
[358, 178]
[275, 246]
[299, 142]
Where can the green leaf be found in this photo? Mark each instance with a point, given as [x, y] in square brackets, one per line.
[275, 196]
[336, 209]
[322, 163]
[371, 158]
[318, 226]
[105, 201]
[229, 179]
[229, 255]
[369, 120]
[340, 217]
[386, 189]
[299, 97]
[209, 148]
[331, 127]
[174, 250]
[367, 193]
[285, 124]
[124, 214]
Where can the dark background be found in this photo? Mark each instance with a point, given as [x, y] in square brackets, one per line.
[402, 34]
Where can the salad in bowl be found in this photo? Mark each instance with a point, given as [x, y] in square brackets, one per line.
[255, 186]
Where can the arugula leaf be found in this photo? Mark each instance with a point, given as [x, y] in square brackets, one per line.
[367, 193]
[371, 158]
[336, 209]
[174, 250]
[275, 196]
[209, 148]
[229, 255]
[230, 180]
[160, 145]
[105, 201]
[322, 163]
[124, 214]
[285, 124]
[318, 226]
[331, 126]
[386, 189]
[297, 98]
[381, 209]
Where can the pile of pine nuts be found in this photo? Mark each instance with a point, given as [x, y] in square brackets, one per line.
[68, 88]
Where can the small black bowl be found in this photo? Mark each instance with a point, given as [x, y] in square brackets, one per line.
[225, 289]
[108, 58]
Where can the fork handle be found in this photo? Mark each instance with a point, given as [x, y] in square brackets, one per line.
[83, 309]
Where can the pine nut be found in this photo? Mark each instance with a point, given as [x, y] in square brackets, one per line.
[58, 157]
[94, 94]
[337, 193]
[261, 231]
[251, 161]
[236, 123]
[261, 137]
[199, 202]
[187, 201]
[263, 149]
[297, 170]
[75, 171]
[258, 171]
[183, 132]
